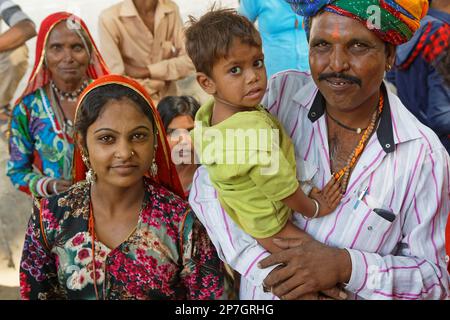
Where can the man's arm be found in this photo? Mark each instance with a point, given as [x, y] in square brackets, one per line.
[421, 256]
[233, 245]
[21, 27]
[178, 66]
[17, 35]
[417, 270]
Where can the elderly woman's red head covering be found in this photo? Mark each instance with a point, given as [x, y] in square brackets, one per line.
[40, 75]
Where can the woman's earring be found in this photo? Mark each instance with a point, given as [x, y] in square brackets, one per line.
[154, 168]
[389, 67]
[91, 177]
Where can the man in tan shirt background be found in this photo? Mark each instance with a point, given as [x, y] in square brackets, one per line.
[13, 53]
[144, 39]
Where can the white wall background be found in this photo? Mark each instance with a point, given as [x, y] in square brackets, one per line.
[89, 11]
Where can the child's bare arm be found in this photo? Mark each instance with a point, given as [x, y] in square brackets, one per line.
[300, 202]
[288, 231]
[328, 200]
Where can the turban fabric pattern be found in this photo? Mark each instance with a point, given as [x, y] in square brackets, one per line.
[398, 19]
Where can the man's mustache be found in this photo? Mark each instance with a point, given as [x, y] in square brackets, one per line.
[338, 75]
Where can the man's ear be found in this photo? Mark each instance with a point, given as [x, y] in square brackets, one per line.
[207, 84]
[390, 54]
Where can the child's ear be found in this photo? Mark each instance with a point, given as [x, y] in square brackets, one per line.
[206, 83]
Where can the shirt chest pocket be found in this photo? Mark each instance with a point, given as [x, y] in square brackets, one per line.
[366, 229]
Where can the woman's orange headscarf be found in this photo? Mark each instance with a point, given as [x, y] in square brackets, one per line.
[40, 75]
[167, 174]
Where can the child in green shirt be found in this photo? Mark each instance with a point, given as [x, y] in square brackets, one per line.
[248, 155]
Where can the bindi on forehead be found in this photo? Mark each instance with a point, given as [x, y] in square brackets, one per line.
[336, 32]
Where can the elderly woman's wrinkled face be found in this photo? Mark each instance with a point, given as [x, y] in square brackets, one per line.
[347, 60]
[67, 57]
[120, 143]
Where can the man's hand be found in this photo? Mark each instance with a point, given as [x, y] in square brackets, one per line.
[308, 267]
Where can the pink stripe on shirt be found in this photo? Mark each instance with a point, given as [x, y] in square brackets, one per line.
[417, 266]
[196, 175]
[309, 145]
[224, 216]
[335, 220]
[359, 228]
[283, 84]
[349, 189]
[412, 176]
[253, 262]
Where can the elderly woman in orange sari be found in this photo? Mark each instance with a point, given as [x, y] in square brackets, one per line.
[41, 130]
[126, 232]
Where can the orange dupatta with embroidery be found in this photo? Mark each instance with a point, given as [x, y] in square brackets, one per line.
[167, 174]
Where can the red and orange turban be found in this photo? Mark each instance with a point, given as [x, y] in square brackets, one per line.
[399, 19]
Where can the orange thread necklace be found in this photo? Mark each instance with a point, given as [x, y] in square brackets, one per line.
[344, 173]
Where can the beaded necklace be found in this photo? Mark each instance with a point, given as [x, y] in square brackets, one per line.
[344, 173]
[357, 130]
[70, 96]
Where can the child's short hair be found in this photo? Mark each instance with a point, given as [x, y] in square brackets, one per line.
[209, 38]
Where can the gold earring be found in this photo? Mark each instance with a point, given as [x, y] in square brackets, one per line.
[154, 168]
[389, 67]
[91, 176]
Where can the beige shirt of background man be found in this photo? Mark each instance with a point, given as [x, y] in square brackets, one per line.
[125, 38]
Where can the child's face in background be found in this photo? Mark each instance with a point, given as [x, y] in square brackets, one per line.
[240, 77]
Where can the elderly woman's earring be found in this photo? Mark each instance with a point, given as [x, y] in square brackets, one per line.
[388, 67]
[91, 177]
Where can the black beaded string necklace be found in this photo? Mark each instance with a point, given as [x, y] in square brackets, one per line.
[69, 96]
[357, 130]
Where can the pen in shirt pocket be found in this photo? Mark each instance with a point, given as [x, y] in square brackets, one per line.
[362, 194]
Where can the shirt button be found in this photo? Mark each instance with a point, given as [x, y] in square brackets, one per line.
[313, 114]
[388, 145]
[369, 228]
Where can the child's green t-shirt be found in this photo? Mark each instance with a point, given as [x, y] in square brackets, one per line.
[251, 163]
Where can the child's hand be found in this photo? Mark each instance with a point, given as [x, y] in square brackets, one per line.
[328, 198]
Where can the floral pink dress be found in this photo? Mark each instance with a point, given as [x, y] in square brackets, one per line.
[168, 256]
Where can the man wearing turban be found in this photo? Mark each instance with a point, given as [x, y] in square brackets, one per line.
[385, 240]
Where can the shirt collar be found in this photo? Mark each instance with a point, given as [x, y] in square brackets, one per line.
[128, 8]
[385, 131]
[438, 14]
[306, 95]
